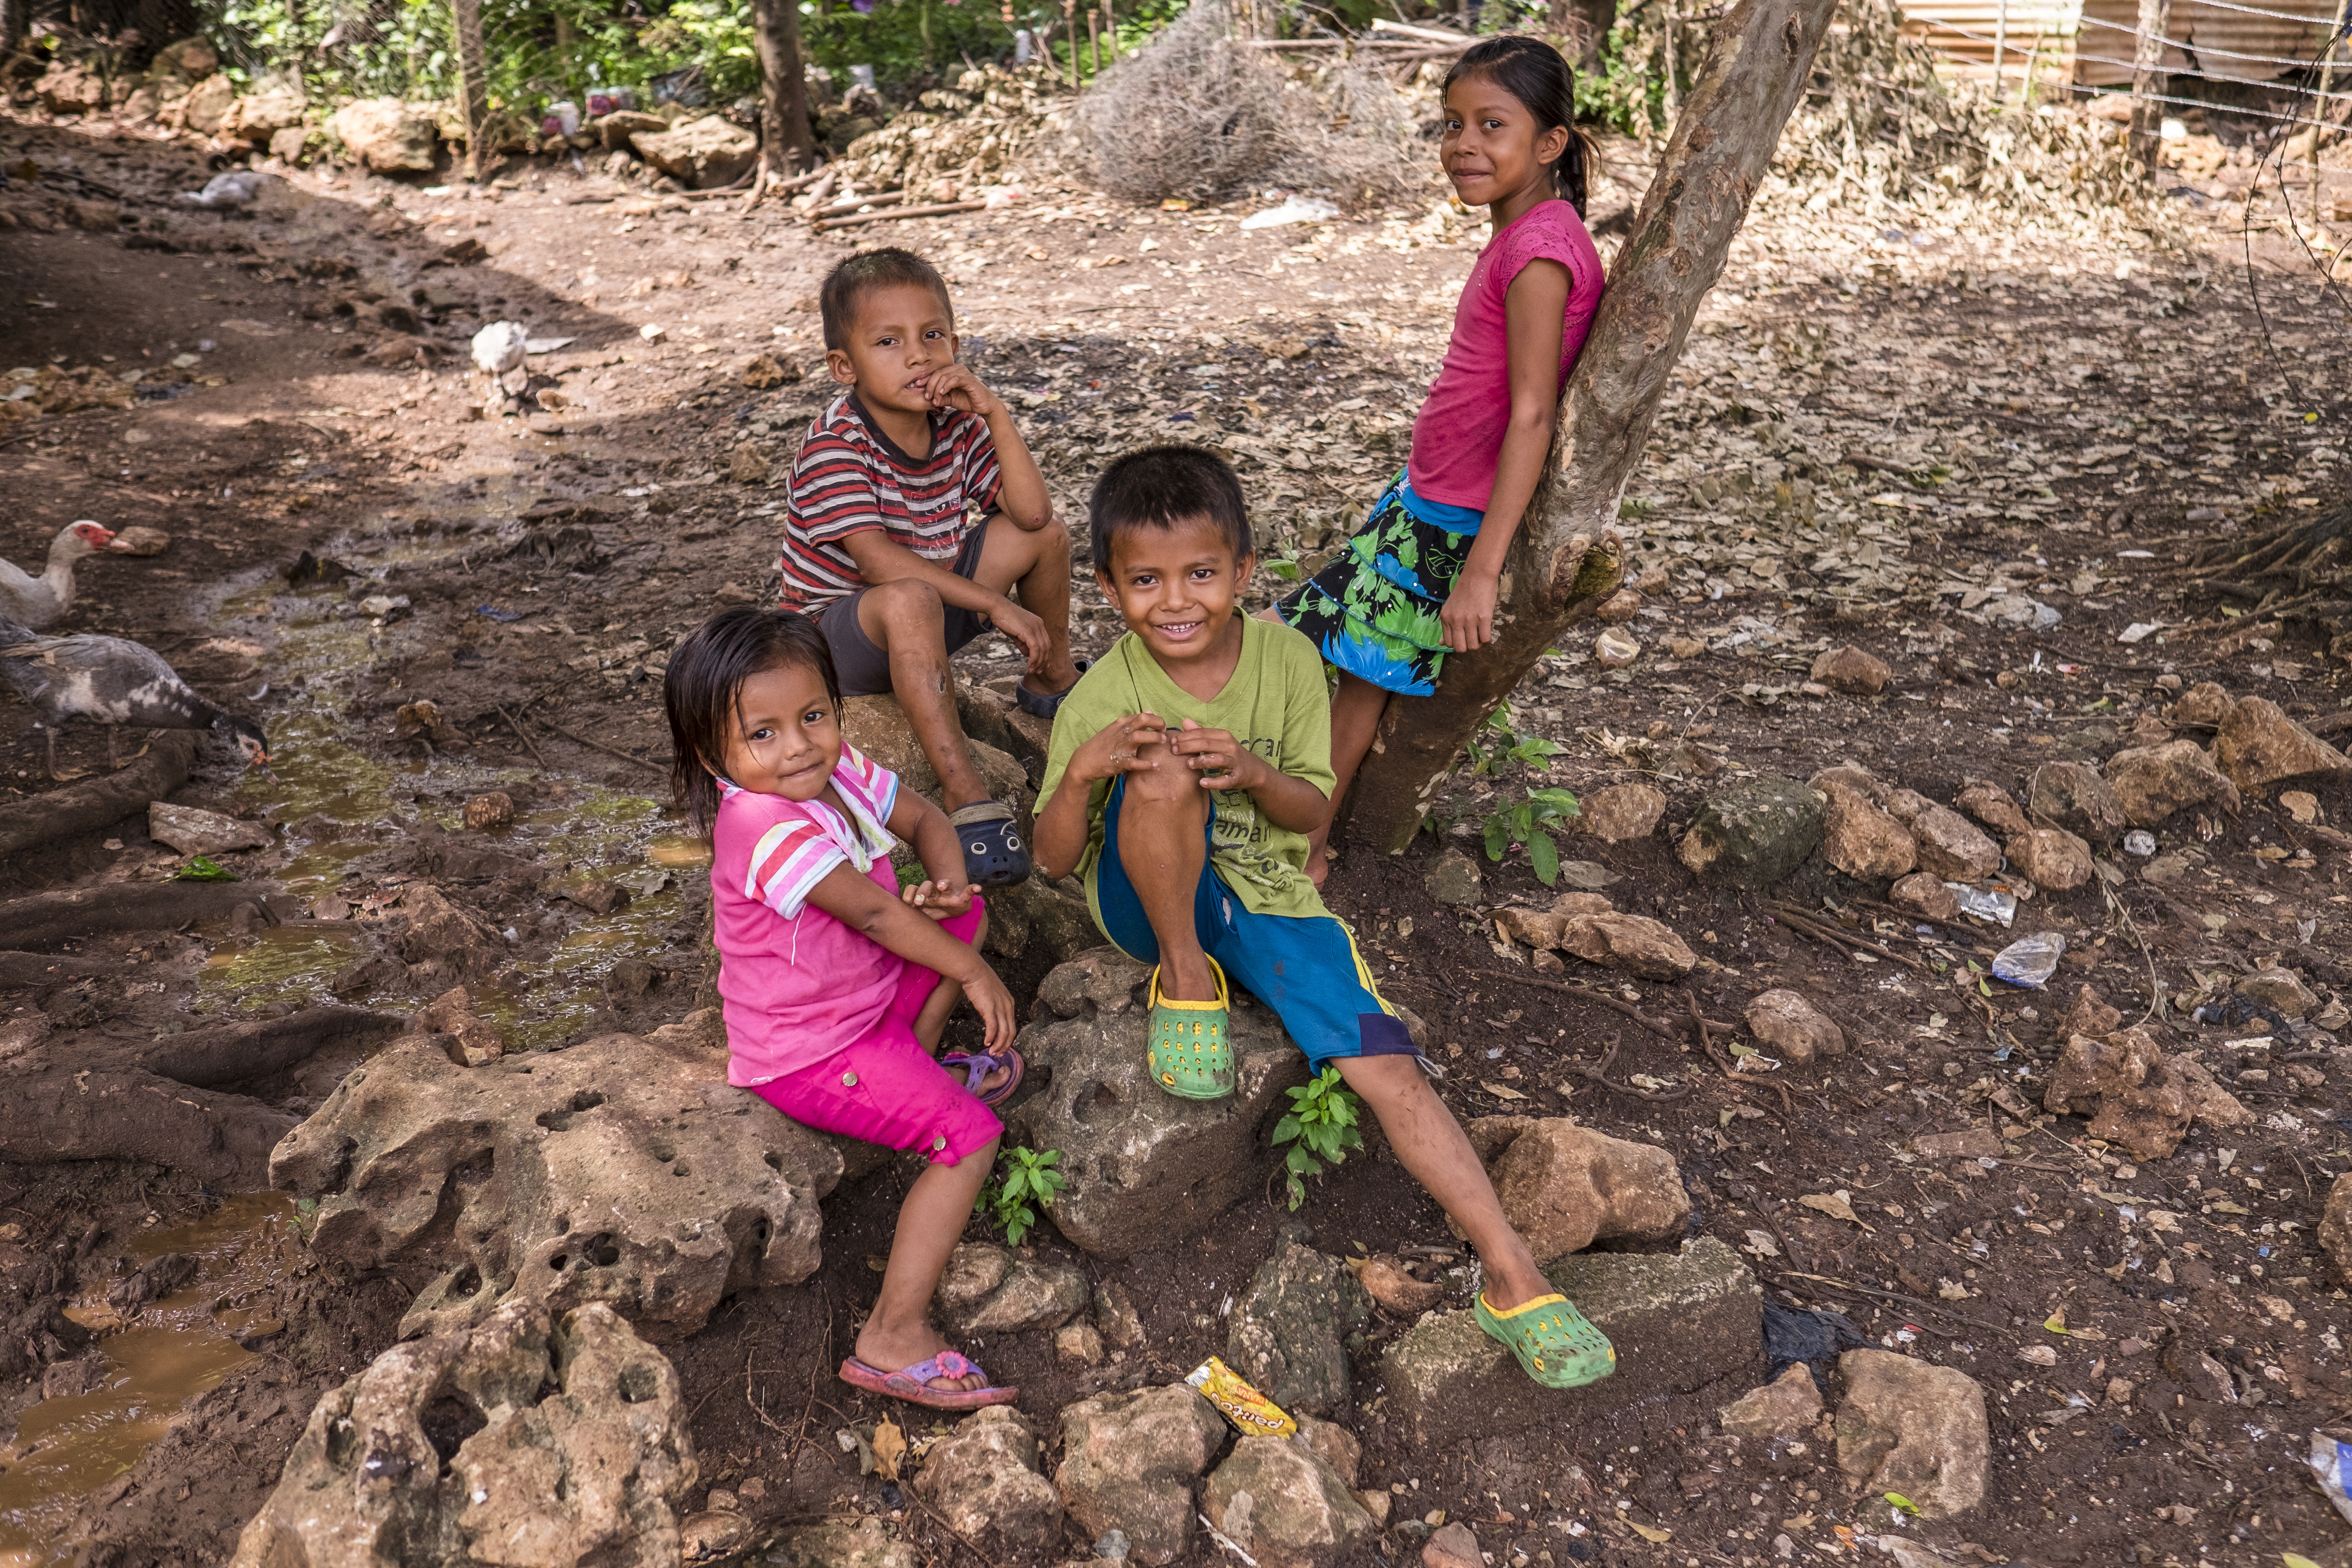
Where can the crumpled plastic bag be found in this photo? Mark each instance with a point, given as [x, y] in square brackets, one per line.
[2030, 961]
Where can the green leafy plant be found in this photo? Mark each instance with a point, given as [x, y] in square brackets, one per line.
[1320, 1127]
[1023, 1176]
[1488, 753]
[1530, 822]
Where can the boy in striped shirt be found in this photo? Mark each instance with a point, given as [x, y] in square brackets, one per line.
[916, 514]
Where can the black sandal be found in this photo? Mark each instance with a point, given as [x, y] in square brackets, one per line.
[1046, 704]
[994, 854]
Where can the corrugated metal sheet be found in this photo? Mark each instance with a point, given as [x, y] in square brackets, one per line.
[1963, 31]
[2216, 39]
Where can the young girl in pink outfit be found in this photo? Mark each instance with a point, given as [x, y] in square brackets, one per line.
[836, 983]
[1420, 579]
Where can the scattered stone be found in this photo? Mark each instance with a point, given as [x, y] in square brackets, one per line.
[877, 726]
[1969, 1143]
[622, 1169]
[1784, 1407]
[1620, 813]
[1614, 649]
[1078, 1344]
[1129, 1462]
[193, 831]
[2051, 857]
[2073, 797]
[748, 466]
[984, 1290]
[1285, 1505]
[2198, 1373]
[1631, 945]
[1679, 1321]
[1452, 1546]
[1393, 1289]
[2151, 782]
[765, 372]
[1756, 832]
[1923, 894]
[713, 1533]
[1333, 1443]
[2212, 1105]
[1860, 840]
[2335, 1233]
[495, 809]
[1990, 805]
[2258, 745]
[1455, 878]
[1791, 1026]
[2204, 705]
[385, 134]
[701, 154]
[1115, 1314]
[983, 1479]
[565, 1442]
[2281, 991]
[139, 539]
[1564, 1187]
[470, 1041]
[2301, 805]
[1914, 1428]
[1951, 847]
[2139, 1102]
[438, 930]
[1851, 670]
[1288, 1332]
[1619, 607]
[867, 1542]
[2090, 1014]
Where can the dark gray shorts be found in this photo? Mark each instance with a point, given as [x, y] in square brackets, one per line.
[863, 668]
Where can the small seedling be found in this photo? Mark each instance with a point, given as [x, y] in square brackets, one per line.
[1023, 1176]
[1320, 1127]
[1487, 755]
[1529, 822]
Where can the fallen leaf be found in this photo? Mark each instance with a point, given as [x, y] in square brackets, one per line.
[890, 1448]
[1499, 1092]
[1655, 1537]
[1837, 1206]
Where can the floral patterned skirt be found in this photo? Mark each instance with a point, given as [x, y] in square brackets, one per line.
[1373, 610]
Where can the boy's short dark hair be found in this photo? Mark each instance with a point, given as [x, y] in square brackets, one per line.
[863, 273]
[1160, 486]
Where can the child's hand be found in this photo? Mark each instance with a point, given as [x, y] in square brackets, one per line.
[1221, 761]
[1120, 748]
[1029, 631]
[1468, 615]
[941, 900]
[953, 386]
[993, 1003]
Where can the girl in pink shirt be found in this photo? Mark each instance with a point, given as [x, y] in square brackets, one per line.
[836, 983]
[1420, 579]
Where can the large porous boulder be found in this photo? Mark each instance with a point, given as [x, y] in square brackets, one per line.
[1286, 1506]
[1623, 812]
[620, 129]
[1146, 1170]
[525, 1439]
[983, 1479]
[385, 135]
[263, 114]
[984, 1290]
[1564, 1187]
[1756, 832]
[2051, 857]
[2151, 782]
[623, 1170]
[1631, 945]
[1680, 1322]
[1915, 1429]
[1951, 846]
[877, 727]
[2124, 1082]
[2073, 797]
[704, 154]
[1792, 1027]
[1860, 840]
[1288, 1333]
[2336, 1227]
[1128, 1463]
[1040, 921]
[2258, 745]
[1786, 1405]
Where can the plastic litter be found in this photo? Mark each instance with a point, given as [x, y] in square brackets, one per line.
[1250, 1411]
[2138, 629]
[1791, 1336]
[1294, 210]
[1985, 903]
[2029, 960]
[2331, 1465]
[1112, 1546]
[562, 119]
[2141, 842]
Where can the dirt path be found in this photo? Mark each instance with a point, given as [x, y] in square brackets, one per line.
[1919, 442]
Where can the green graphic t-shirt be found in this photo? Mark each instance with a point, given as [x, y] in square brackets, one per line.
[1276, 704]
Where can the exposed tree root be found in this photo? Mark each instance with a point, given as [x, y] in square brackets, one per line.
[57, 1111]
[46, 920]
[239, 1053]
[48, 968]
[96, 802]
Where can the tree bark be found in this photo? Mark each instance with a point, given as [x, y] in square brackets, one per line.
[1566, 558]
[96, 802]
[785, 145]
[45, 919]
[61, 1111]
[2149, 81]
[473, 84]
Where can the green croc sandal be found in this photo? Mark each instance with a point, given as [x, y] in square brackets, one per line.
[1191, 1044]
[1554, 1344]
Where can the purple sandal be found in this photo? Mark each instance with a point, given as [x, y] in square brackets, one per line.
[976, 1069]
[914, 1385]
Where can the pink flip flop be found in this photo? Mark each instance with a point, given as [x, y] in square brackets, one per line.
[914, 1385]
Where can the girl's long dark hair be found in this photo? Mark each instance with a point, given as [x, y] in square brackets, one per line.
[1533, 72]
[706, 677]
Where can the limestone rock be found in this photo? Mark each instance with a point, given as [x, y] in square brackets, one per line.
[982, 1477]
[1288, 1333]
[2204, 705]
[2073, 797]
[1455, 878]
[1547, 929]
[2139, 1102]
[71, 89]
[1333, 1443]
[1452, 1545]
[984, 1290]
[1078, 1345]
[495, 809]
[623, 1170]
[1860, 840]
[1393, 1289]
[1990, 805]
[385, 135]
[619, 129]
[1925, 894]
[575, 1450]
[2151, 782]
[1129, 1462]
[1115, 1314]
[1619, 607]
[2279, 990]
[188, 59]
[1286, 1506]
[702, 153]
[139, 539]
[1564, 1187]
[2335, 1233]
[714, 1533]
[1632, 945]
[765, 372]
[748, 465]
[438, 930]
[2212, 1105]
[1914, 1428]
[1951, 847]
[468, 1040]
[1039, 920]
[2258, 746]
[193, 831]
[1793, 1029]
[877, 727]
[264, 113]
[1146, 1170]
[868, 1542]
[2051, 857]
[1851, 670]
[1789, 1404]
[1756, 832]
[1623, 813]
[2090, 1014]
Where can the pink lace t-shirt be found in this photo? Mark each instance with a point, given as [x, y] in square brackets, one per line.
[796, 984]
[1458, 438]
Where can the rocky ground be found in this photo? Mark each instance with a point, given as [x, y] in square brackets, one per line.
[1918, 592]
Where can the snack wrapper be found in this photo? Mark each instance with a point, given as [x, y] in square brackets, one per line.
[1245, 1407]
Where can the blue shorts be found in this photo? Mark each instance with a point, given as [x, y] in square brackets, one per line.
[1307, 969]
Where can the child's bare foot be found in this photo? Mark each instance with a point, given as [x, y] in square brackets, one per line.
[888, 1350]
[1319, 864]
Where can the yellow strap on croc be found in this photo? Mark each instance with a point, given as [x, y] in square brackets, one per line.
[1191, 1046]
[1554, 1343]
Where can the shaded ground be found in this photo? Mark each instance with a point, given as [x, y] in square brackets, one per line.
[1883, 435]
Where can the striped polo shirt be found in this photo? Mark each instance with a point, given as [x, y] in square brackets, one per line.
[850, 477]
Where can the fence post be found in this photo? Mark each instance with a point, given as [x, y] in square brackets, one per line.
[785, 144]
[473, 89]
[2000, 51]
[2147, 82]
[2338, 43]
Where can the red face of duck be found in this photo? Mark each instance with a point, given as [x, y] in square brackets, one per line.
[93, 536]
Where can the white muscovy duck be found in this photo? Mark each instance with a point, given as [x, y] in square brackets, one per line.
[34, 601]
[502, 352]
[114, 682]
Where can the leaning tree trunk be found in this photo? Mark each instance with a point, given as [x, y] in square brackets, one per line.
[1566, 558]
[785, 145]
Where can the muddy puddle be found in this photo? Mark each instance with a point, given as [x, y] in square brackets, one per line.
[151, 1364]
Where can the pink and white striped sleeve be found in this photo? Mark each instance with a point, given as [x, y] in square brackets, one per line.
[788, 860]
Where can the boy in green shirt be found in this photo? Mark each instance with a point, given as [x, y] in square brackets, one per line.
[1187, 768]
